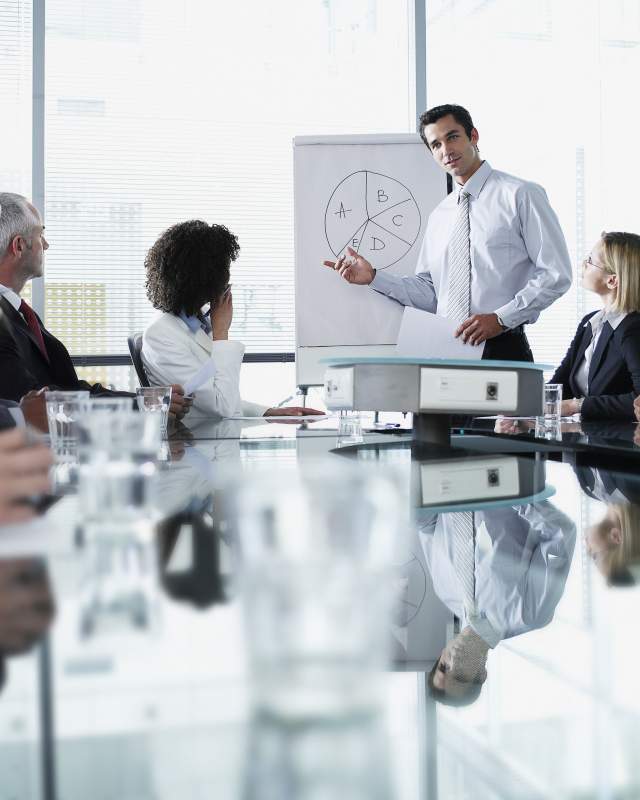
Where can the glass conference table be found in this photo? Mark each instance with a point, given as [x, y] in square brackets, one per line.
[163, 711]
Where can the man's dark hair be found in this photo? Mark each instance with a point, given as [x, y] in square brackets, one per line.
[440, 696]
[460, 114]
[188, 266]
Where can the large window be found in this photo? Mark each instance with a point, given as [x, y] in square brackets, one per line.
[164, 110]
[549, 85]
[15, 95]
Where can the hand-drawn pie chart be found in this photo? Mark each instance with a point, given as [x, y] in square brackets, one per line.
[374, 214]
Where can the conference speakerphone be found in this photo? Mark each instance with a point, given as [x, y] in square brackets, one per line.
[434, 389]
[452, 478]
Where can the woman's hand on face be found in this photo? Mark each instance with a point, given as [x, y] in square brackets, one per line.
[221, 314]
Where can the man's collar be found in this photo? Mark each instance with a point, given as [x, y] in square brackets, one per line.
[475, 183]
[10, 296]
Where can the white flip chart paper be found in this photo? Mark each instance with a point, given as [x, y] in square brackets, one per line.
[426, 335]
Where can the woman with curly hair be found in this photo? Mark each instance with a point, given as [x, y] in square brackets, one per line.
[187, 269]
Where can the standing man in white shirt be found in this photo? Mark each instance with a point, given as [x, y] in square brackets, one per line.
[493, 256]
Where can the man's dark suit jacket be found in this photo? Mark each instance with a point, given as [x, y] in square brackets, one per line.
[6, 419]
[23, 366]
[614, 373]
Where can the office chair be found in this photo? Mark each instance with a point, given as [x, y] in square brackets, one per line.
[135, 347]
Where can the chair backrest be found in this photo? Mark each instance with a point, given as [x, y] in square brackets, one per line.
[135, 351]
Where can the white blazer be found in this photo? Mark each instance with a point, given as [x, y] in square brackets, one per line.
[171, 353]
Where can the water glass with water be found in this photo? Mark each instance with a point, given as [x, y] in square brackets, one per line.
[349, 429]
[120, 589]
[64, 410]
[117, 451]
[552, 401]
[316, 549]
[155, 399]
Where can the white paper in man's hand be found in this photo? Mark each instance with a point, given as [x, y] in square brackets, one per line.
[426, 335]
[205, 373]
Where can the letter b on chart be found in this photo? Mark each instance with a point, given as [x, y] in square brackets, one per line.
[374, 214]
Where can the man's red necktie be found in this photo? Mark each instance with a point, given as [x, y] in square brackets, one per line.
[34, 326]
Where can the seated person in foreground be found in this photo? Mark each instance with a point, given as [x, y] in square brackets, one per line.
[600, 373]
[188, 268]
[31, 358]
[24, 472]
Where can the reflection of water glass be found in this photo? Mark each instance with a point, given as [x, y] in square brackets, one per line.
[349, 429]
[64, 410]
[316, 550]
[155, 399]
[117, 452]
[342, 759]
[548, 428]
[120, 587]
[552, 400]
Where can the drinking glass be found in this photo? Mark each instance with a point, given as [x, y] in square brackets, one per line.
[316, 549]
[552, 401]
[117, 451]
[64, 409]
[120, 588]
[156, 399]
[341, 759]
[117, 504]
[349, 429]
[63, 412]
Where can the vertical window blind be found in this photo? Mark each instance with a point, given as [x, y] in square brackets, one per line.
[15, 95]
[163, 111]
[547, 85]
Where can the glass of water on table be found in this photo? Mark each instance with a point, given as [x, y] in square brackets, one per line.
[155, 399]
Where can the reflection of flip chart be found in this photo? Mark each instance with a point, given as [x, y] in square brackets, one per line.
[374, 194]
[425, 335]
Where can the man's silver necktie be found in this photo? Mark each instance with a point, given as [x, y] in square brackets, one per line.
[459, 294]
[464, 556]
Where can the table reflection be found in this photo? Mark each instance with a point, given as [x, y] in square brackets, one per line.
[542, 653]
[568, 434]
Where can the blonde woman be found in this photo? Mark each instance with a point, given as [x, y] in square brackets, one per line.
[600, 373]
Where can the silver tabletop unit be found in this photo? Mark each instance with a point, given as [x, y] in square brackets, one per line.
[434, 390]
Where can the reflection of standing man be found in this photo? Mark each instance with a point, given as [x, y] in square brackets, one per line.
[507, 582]
[493, 256]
